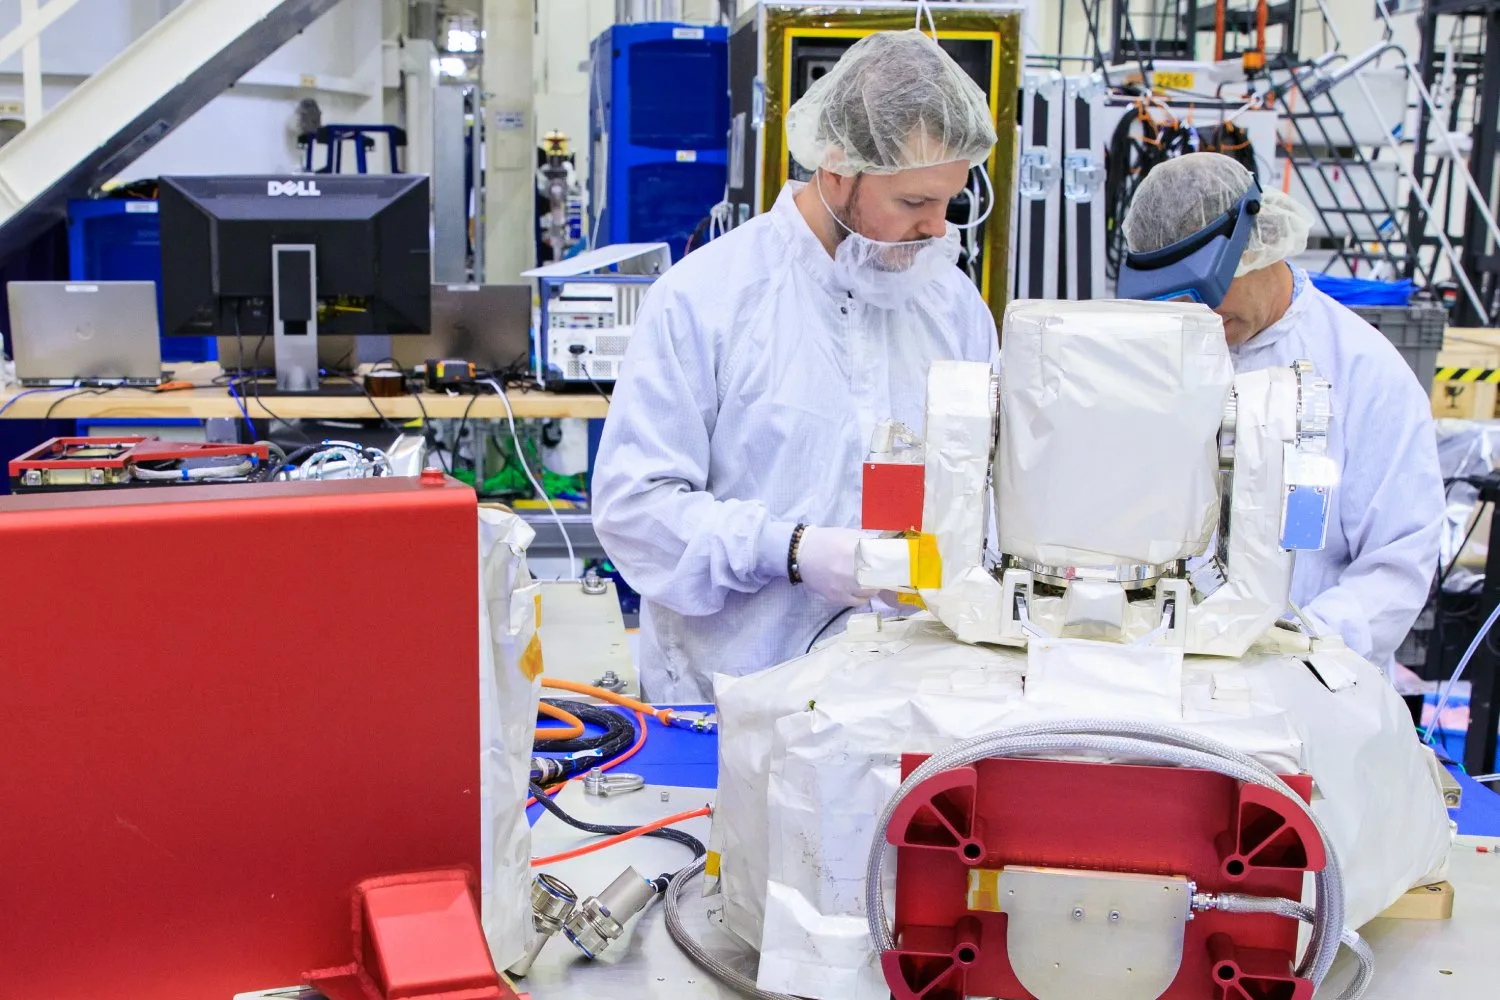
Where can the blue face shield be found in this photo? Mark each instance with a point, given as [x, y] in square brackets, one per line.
[1198, 268]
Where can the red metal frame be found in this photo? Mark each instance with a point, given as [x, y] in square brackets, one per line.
[52, 453]
[1224, 836]
[225, 706]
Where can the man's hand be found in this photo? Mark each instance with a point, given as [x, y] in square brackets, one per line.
[825, 558]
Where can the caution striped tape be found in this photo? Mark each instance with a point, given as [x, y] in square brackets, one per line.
[1467, 375]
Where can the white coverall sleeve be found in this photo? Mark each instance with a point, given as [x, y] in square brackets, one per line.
[1390, 501]
[984, 323]
[675, 543]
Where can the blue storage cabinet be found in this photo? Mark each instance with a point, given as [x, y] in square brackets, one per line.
[119, 239]
[658, 130]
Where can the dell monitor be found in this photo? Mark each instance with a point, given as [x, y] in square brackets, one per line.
[295, 258]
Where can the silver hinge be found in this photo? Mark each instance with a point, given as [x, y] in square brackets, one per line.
[1038, 173]
[1083, 176]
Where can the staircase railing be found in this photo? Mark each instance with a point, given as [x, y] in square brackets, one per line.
[26, 38]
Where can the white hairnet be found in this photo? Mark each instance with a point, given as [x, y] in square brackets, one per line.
[1182, 196]
[893, 102]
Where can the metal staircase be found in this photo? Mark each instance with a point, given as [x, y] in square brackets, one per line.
[1457, 147]
[1345, 154]
[174, 69]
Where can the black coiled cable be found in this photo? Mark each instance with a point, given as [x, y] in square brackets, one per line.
[618, 733]
[617, 737]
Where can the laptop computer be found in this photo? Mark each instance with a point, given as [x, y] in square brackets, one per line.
[489, 325]
[85, 333]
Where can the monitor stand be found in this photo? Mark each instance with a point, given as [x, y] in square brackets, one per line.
[294, 325]
[294, 316]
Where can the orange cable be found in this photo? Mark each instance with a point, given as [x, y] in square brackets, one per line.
[662, 715]
[619, 838]
[571, 731]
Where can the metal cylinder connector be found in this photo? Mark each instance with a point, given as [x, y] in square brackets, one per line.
[601, 919]
[552, 902]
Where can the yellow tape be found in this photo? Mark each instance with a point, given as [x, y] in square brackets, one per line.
[1453, 373]
[531, 659]
[926, 564]
[984, 890]
[711, 865]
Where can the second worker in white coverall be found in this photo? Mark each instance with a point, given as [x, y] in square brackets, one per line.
[1373, 576]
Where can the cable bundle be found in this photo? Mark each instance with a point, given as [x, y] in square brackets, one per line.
[584, 752]
[334, 460]
[1141, 143]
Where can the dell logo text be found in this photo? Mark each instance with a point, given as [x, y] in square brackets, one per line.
[296, 189]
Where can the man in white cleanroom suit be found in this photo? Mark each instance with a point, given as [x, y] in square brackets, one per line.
[727, 488]
[1373, 577]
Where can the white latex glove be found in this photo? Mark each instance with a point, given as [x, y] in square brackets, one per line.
[887, 604]
[825, 558]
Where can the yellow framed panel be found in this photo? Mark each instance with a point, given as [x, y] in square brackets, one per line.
[782, 28]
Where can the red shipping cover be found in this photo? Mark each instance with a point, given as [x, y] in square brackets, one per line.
[224, 707]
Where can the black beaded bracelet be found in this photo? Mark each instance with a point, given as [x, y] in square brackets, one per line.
[794, 571]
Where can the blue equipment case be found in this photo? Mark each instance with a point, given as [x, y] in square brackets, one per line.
[119, 239]
[659, 131]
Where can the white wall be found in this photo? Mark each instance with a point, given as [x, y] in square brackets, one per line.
[248, 129]
[560, 67]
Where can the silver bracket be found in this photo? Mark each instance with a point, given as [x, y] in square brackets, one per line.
[295, 345]
[1083, 176]
[1015, 586]
[1038, 173]
[1084, 88]
[1072, 934]
[596, 782]
[611, 681]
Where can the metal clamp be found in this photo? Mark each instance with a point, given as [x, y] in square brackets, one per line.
[611, 681]
[593, 584]
[1084, 88]
[1083, 177]
[1038, 173]
[596, 782]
